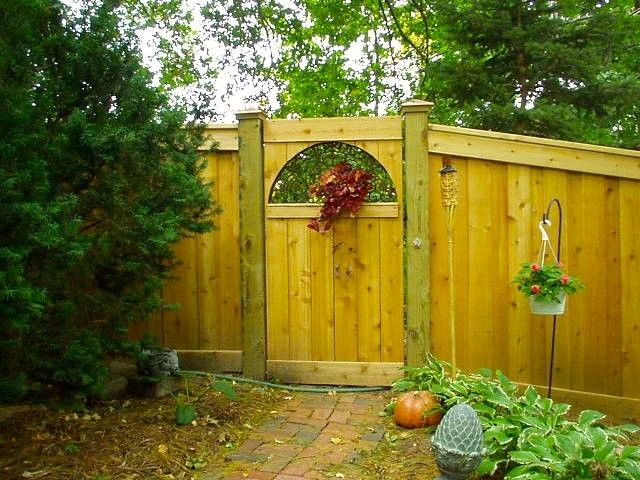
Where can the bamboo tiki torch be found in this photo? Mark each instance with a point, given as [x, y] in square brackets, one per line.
[449, 191]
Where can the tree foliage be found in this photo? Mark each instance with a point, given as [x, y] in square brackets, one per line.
[561, 69]
[304, 50]
[98, 178]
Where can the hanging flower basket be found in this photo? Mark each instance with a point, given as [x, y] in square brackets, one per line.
[546, 286]
[540, 306]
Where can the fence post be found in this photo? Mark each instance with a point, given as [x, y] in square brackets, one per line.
[252, 243]
[417, 245]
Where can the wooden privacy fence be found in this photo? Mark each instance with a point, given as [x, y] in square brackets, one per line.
[243, 311]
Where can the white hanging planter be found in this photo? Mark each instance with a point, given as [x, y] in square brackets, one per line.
[545, 307]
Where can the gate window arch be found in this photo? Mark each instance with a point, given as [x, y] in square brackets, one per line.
[304, 169]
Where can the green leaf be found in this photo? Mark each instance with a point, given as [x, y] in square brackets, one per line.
[525, 472]
[631, 468]
[499, 397]
[484, 409]
[568, 446]
[488, 466]
[185, 414]
[524, 457]
[605, 451]
[225, 388]
[598, 436]
[531, 421]
[630, 451]
[498, 435]
[588, 417]
[531, 395]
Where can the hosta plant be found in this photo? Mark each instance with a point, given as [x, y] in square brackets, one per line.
[342, 188]
[528, 436]
[546, 282]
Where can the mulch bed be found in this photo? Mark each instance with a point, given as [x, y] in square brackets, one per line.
[136, 438]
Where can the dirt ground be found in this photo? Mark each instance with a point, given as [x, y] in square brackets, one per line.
[137, 438]
[133, 438]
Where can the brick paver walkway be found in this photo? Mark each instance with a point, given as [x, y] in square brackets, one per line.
[310, 437]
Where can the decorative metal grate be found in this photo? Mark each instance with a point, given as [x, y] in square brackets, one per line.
[293, 181]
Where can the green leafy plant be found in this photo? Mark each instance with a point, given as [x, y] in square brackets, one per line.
[546, 282]
[186, 403]
[528, 436]
[341, 188]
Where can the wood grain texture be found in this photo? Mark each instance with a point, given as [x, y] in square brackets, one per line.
[345, 272]
[517, 149]
[505, 183]
[299, 276]
[214, 361]
[417, 250]
[181, 324]
[368, 290]
[630, 279]
[333, 129]
[309, 211]
[335, 373]
[252, 244]
[322, 298]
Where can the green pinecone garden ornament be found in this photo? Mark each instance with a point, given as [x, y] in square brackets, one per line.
[458, 443]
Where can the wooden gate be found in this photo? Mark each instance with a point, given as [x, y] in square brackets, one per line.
[334, 300]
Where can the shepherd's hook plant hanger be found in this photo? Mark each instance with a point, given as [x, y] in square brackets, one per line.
[546, 243]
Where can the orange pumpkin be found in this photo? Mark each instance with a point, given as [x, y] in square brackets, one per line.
[417, 409]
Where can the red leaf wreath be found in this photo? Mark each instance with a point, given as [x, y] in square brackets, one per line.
[342, 187]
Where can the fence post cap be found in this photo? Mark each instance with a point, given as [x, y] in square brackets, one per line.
[415, 105]
[250, 114]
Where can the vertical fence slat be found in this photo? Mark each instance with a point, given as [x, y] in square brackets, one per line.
[391, 262]
[278, 298]
[345, 284]
[299, 289]
[577, 264]
[630, 273]
[368, 289]
[595, 255]
[481, 249]
[322, 307]
[614, 285]
[520, 241]
[391, 309]
[439, 328]
[228, 254]
[554, 185]
[501, 276]
[181, 326]
[209, 286]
